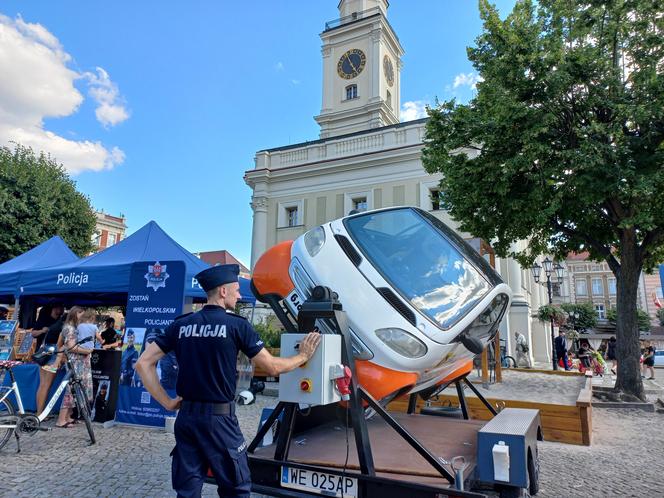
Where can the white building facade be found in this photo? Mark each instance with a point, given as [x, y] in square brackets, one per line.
[366, 158]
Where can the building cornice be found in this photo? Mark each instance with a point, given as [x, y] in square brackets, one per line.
[315, 168]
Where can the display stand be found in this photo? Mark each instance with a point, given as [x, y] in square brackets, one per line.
[266, 470]
[7, 332]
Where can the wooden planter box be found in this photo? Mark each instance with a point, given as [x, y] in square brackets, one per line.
[570, 424]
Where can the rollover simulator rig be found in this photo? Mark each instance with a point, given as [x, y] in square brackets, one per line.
[389, 454]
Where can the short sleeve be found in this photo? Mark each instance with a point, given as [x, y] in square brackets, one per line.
[167, 340]
[250, 342]
[87, 331]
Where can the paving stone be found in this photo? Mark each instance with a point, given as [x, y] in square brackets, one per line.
[626, 459]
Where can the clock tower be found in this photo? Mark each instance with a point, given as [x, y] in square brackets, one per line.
[361, 70]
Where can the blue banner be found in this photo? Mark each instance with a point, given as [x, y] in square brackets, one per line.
[136, 406]
[155, 299]
[661, 276]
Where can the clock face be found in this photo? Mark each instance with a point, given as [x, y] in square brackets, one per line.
[351, 63]
[388, 69]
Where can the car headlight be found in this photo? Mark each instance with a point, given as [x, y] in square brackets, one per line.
[314, 240]
[402, 342]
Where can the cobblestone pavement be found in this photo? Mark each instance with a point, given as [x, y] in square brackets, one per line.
[626, 459]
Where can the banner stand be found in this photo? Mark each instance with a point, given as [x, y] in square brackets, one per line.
[154, 300]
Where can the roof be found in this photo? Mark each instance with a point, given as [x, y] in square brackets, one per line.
[222, 257]
[51, 252]
[109, 271]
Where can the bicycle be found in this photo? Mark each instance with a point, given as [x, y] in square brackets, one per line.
[17, 422]
[506, 361]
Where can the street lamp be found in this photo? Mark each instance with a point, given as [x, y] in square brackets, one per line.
[549, 268]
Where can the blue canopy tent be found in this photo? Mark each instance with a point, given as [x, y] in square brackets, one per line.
[52, 252]
[103, 278]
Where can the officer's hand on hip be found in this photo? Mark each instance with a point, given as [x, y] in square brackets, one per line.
[309, 344]
[174, 404]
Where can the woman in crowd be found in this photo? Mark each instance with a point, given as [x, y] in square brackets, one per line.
[611, 354]
[80, 361]
[649, 362]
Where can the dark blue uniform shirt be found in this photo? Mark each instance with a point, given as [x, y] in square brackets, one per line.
[206, 345]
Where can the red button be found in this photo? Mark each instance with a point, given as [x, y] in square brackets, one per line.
[305, 385]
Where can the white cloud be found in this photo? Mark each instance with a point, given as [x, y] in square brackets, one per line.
[36, 84]
[415, 109]
[111, 110]
[295, 82]
[279, 66]
[470, 79]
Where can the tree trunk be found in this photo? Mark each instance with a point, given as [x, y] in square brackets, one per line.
[628, 347]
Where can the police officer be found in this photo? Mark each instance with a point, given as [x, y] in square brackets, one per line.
[206, 344]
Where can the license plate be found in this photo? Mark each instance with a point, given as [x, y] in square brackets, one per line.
[294, 302]
[318, 482]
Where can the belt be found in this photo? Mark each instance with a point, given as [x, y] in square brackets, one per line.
[204, 407]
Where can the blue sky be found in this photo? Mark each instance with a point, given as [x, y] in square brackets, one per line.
[158, 107]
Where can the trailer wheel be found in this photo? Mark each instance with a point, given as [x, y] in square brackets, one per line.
[533, 472]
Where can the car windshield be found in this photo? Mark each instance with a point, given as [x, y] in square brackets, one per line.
[420, 262]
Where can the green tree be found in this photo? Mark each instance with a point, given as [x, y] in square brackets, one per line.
[37, 201]
[562, 143]
[642, 318]
[587, 316]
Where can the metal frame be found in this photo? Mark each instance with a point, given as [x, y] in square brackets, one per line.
[266, 472]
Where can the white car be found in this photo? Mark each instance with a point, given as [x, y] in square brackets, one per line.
[659, 358]
[416, 295]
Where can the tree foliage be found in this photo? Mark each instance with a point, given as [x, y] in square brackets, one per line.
[37, 201]
[642, 318]
[587, 316]
[562, 144]
[548, 312]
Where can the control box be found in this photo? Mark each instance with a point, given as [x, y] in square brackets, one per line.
[313, 382]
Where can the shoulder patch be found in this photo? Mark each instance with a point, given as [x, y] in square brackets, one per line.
[236, 315]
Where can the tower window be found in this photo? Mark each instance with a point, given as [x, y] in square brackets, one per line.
[389, 99]
[351, 92]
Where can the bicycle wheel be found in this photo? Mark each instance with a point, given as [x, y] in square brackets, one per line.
[84, 410]
[6, 409]
[509, 362]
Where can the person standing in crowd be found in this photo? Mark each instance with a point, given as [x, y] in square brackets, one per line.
[206, 430]
[48, 315]
[129, 358]
[3, 313]
[611, 354]
[649, 362]
[47, 372]
[561, 348]
[108, 338]
[522, 350]
[80, 359]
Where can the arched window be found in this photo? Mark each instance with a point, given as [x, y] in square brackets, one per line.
[351, 92]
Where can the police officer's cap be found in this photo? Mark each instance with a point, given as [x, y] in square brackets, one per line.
[3, 309]
[216, 276]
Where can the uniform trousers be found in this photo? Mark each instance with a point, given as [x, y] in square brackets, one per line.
[205, 441]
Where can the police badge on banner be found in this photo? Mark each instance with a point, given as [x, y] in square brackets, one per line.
[155, 299]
